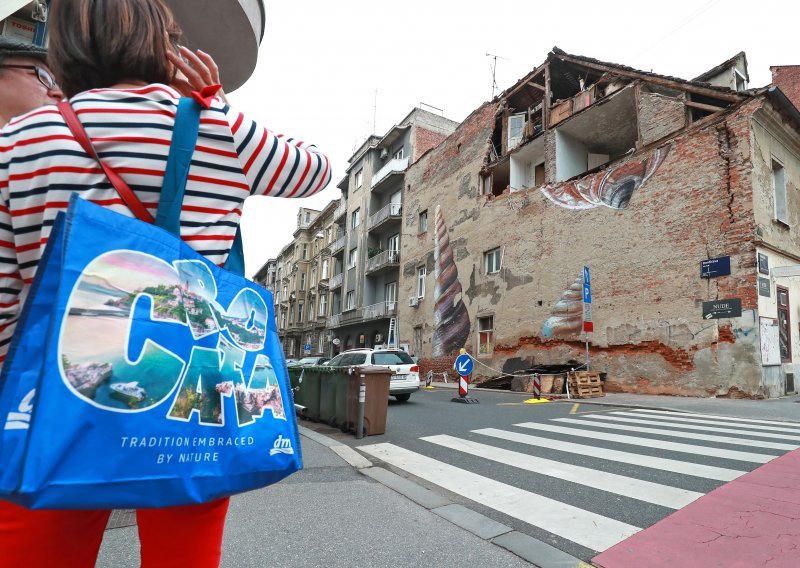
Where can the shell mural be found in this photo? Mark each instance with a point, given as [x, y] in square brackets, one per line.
[612, 188]
[566, 317]
[450, 317]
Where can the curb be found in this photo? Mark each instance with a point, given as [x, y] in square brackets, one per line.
[538, 553]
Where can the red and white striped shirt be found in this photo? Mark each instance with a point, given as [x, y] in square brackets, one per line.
[41, 165]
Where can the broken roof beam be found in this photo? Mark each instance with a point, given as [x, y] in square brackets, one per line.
[702, 106]
[656, 80]
[537, 85]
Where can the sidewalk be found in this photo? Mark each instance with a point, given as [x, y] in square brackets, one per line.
[332, 515]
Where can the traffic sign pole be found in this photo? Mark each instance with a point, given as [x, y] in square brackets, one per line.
[588, 324]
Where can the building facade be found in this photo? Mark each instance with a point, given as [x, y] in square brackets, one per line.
[366, 249]
[680, 196]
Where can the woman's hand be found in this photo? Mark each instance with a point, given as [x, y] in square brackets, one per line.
[195, 71]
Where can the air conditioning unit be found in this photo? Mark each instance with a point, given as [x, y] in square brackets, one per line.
[384, 153]
[413, 301]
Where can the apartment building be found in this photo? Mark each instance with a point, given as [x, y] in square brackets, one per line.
[298, 278]
[680, 196]
[366, 248]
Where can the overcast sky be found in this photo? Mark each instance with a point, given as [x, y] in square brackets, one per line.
[321, 62]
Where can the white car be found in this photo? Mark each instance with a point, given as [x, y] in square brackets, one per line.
[405, 373]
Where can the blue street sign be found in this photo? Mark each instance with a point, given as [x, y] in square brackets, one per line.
[307, 347]
[463, 364]
[587, 286]
[715, 267]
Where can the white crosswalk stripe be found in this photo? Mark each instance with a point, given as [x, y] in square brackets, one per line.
[623, 417]
[647, 491]
[561, 486]
[662, 464]
[778, 423]
[651, 443]
[583, 527]
[678, 434]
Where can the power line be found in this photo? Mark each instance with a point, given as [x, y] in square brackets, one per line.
[704, 8]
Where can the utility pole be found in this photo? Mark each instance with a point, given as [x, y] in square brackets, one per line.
[493, 65]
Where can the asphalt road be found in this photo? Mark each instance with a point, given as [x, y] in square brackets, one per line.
[431, 413]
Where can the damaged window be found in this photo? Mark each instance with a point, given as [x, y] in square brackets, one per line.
[486, 335]
[779, 191]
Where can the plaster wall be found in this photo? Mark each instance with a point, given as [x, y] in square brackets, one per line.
[650, 335]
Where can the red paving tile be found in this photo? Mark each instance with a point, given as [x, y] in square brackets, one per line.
[750, 522]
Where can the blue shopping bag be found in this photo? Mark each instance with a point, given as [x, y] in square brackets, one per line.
[141, 374]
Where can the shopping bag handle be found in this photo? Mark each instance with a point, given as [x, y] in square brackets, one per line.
[124, 191]
[181, 149]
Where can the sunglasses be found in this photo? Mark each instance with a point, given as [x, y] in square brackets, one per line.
[44, 76]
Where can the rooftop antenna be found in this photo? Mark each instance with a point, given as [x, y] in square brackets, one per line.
[494, 70]
[421, 104]
[375, 112]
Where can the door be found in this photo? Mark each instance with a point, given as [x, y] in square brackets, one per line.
[390, 296]
[393, 246]
[784, 325]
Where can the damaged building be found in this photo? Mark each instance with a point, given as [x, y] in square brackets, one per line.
[681, 196]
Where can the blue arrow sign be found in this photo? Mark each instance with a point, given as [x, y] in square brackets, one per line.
[463, 364]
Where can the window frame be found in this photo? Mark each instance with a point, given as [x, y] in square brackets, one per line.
[350, 300]
[422, 275]
[359, 178]
[352, 258]
[398, 155]
[779, 172]
[355, 218]
[480, 330]
[496, 254]
[787, 329]
[423, 220]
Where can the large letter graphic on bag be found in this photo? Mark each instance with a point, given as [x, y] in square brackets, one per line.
[140, 333]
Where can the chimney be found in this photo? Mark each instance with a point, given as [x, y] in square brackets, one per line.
[787, 79]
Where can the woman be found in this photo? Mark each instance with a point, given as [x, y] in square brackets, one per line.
[119, 64]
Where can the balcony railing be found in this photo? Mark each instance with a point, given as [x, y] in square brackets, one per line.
[340, 210]
[383, 259]
[394, 166]
[338, 245]
[379, 310]
[334, 320]
[336, 280]
[391, 210]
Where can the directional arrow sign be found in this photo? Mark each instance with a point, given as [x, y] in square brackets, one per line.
[463, 364]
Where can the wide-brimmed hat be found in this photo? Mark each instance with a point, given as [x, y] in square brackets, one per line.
[11, 46]
[229, 30]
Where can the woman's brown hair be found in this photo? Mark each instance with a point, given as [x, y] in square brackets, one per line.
[98, 43]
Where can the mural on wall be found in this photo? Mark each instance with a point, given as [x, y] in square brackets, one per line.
[566, 317]
[612, 188]
[450, 316]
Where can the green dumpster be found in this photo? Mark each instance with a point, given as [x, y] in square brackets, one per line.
[306, 385]
[332, 395]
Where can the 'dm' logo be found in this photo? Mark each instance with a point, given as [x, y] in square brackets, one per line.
[282, 446]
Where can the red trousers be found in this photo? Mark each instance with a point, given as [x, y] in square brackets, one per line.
[172, 537]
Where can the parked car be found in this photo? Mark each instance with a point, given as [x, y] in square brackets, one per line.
[307, 361]
[405, 373]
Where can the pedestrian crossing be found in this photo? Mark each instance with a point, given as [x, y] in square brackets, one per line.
[532, 471]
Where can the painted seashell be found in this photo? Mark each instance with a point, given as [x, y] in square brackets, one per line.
[567, 314]
[612, 188]
[450, 316]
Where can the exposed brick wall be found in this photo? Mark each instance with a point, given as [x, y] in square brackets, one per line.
[787, 79]
[426, 140]
[660, 116]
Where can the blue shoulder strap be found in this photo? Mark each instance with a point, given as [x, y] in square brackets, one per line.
[184, 139]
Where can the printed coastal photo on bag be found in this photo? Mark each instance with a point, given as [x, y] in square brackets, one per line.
[137, 328]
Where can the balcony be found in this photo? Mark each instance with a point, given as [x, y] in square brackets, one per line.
[336, 281]
[340, 211]
[338, 245]
[390, 212]
[379, 310]
[386, 259]
[335, 320]
[394, 166]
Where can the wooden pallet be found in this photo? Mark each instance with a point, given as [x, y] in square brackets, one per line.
[584, 391]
